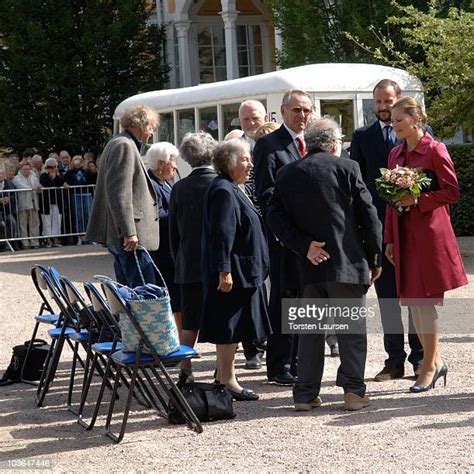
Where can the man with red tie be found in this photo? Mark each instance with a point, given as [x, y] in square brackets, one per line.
[271, 152]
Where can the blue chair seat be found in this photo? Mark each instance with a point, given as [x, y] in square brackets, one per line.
[128, 358]
[70, 333]
[47, 318]
[182, 353]
[105, 347]
[56, 332]
[80, 336]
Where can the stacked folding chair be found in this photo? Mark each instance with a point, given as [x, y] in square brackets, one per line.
[102, 350]
[151, 365]
[69, 330]
[46, 313]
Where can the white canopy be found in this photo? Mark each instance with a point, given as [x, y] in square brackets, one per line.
[326, 77]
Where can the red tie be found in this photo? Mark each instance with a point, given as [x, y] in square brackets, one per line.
[301, 146]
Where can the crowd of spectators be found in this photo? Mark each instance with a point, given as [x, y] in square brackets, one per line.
[45, 202]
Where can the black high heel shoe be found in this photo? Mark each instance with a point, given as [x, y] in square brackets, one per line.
[443, 372]
[424, 388]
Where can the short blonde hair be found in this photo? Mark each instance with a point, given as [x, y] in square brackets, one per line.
[161, 151]
[265, 129]
[76, 158]
[138, 116]
[411, 106]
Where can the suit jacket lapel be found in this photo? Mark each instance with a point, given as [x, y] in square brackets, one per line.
[289, 143]
[243, 198]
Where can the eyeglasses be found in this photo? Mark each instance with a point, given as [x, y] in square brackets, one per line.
[298, 110]
[340, 139]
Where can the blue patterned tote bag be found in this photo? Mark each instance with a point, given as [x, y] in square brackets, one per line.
[150, 305]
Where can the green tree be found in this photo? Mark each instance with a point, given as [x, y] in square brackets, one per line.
[65, 66]
[315, 30]
[445, 41]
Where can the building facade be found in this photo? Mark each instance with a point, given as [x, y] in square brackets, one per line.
[216, 40]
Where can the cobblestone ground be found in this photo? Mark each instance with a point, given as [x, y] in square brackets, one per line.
[399, 431]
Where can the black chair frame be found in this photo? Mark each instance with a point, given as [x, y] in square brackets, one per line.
[111, 326]
[156, 367]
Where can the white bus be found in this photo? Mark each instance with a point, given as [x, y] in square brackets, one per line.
[342, 91]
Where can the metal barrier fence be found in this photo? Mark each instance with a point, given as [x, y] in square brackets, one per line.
[29, 215]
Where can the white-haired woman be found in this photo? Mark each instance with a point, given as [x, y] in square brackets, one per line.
[161, 159]
[235, 264]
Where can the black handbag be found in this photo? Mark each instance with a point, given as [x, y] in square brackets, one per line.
[33, 368]
[210, 402]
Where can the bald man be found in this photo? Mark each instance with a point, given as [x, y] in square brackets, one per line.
[252, 114]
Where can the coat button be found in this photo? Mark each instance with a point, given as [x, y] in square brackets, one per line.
[156, 218]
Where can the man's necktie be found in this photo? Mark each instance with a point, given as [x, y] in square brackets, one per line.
[388, 136]
[301, 146]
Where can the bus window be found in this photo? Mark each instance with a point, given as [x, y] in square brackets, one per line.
[231, 117]
[208, 121]
[342, 111]
[165, 129]
[185, 123]
[368, 110]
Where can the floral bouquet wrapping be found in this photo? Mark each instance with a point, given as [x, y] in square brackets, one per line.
[399, 182]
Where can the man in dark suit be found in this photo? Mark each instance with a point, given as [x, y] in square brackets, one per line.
[271, 152]
[252, 115]
[123, 213]
[370, 147]
[322, 210]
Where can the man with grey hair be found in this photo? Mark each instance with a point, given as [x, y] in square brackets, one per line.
[37, 165]
[123, 214]
[271, 152]
[322, 211]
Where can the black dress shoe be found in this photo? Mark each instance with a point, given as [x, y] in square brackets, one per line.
[284, 378]
[390, 373]
[243, 396]
[254, 363]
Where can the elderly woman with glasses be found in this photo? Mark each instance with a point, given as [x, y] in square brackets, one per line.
[161, 159]
[235, 264]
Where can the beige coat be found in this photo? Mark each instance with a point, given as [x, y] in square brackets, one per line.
[124, 203]
[26, 200]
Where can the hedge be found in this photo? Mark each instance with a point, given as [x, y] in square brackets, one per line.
[462, 213]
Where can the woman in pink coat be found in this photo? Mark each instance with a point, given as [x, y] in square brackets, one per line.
[421, 241]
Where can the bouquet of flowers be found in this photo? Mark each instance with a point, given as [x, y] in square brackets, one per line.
[399, 182]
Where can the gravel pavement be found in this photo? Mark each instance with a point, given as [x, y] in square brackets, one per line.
[400, 431]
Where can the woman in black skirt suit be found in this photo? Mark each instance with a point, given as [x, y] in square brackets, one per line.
[185, 224]
[235, 264]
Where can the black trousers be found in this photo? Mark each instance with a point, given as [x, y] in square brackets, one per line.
[281, 355]
[352, 347]
[391, 314]
[251, 349]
